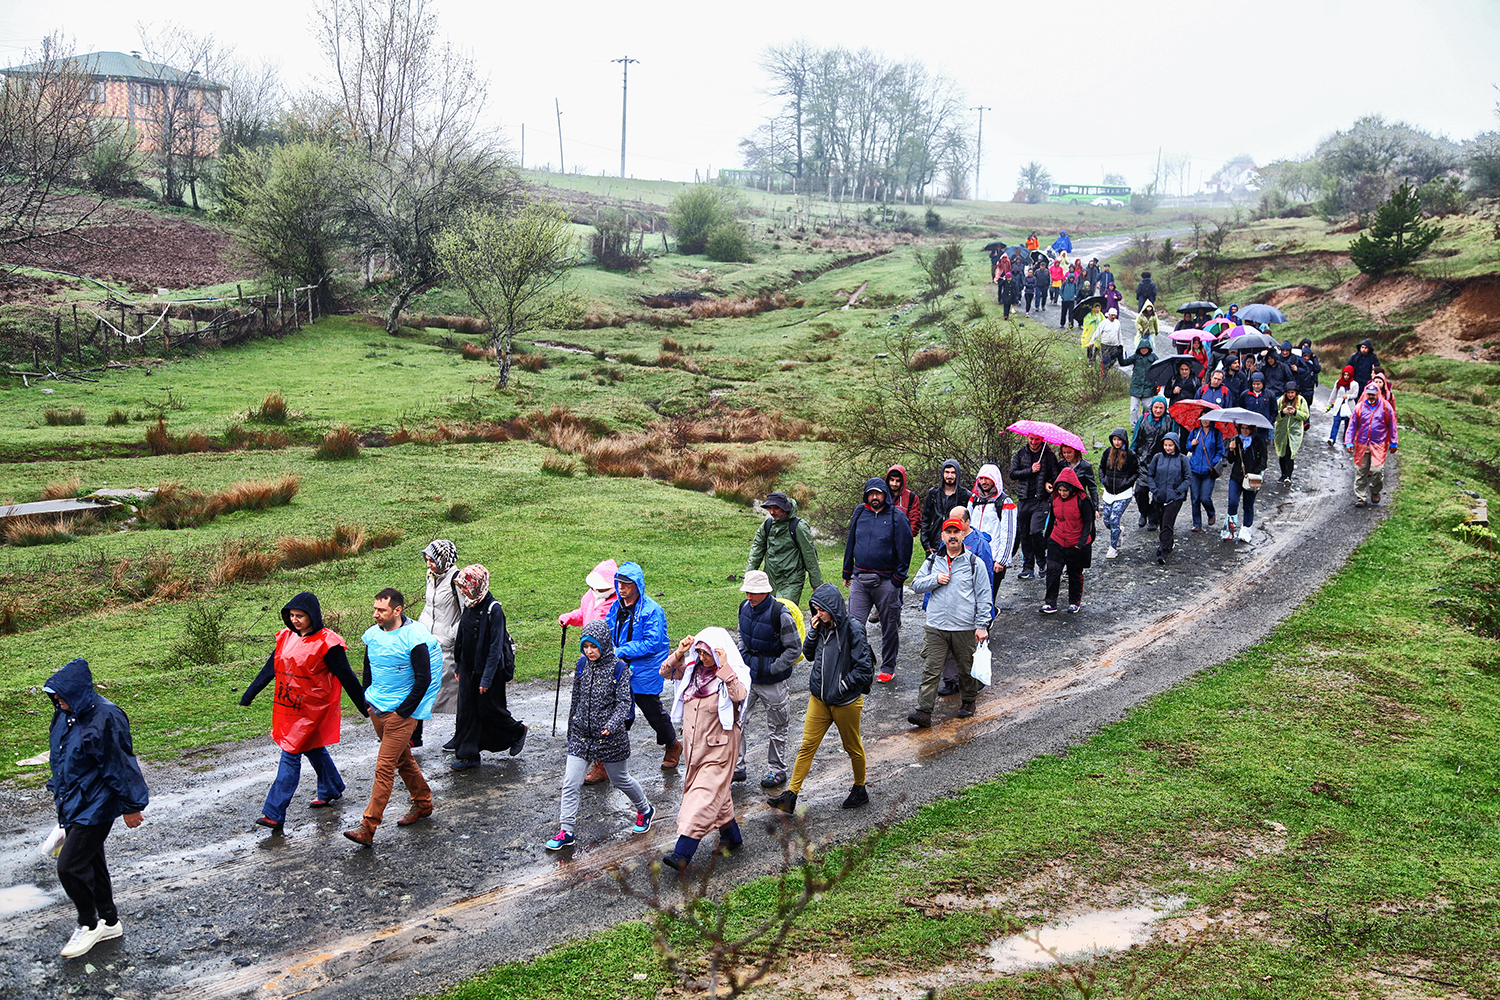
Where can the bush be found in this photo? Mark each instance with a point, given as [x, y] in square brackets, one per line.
[205, 634]
[1442, 196]
[63, 418]
[934, 220]
[111, 167]
[695, 213]
[611, 244]
[728, 242]
[119, 418]
[941, 266]
[340, 444]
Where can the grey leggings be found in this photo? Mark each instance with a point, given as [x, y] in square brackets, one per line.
[619, 776]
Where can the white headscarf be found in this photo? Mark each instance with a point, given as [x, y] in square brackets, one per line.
[713, 639]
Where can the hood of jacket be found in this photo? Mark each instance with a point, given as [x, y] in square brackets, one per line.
[307, 603]
[1067, 475]
[876, 483]
[989, 471]
[632, 572]
[958, 472]
[602, 575]
[1173, 437]
[74, 684]
[1123, 435]
[830, 600]
[597, 633]
[1366, 343]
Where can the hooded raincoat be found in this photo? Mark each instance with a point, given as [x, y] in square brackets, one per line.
[994, 515]
[95, 776]
[311, 672]
[601, 700]
[786, 547]
[1290, 427]
[843, 668]
[1140, 367]
[592, 605]
[640, 633]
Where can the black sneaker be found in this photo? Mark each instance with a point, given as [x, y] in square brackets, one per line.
[451, 746]
[786, 801]
[857, 797]
[946, 688]
[773, 779]
[740, 775]
[515, 747]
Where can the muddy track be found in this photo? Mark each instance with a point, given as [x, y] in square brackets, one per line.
[214, 907]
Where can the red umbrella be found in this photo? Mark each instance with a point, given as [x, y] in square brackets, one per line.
[1188, 412]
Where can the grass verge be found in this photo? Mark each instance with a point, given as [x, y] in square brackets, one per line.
[1328, 800]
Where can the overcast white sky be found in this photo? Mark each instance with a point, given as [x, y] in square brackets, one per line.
[1124, 77]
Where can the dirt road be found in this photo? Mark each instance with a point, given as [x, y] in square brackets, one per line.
[214, 907]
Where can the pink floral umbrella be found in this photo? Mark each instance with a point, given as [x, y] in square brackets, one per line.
[1188, 336]
[1051, 433]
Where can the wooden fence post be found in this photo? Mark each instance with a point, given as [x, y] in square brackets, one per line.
[104, 342]
[57, 340]
[140, 328]
[77, 337]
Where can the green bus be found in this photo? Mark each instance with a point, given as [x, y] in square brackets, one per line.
[1107, 195]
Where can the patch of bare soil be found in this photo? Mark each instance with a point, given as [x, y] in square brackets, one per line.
[142, 250]
[1295, 293]
[1462, 326]
[1382, 296]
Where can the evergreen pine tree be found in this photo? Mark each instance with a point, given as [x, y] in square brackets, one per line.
[1397, 237]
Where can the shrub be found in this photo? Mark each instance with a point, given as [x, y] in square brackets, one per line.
[728, 242]
[205, 634]
[460, 513]
[933, 221]
[63, 418]
[1442, 196]
[695, 213]
[272, 410]
[175, 506]
[614, 233]
[119, 418]
[340, 444]
[941, 266]
[1397, 237]
[112, 164]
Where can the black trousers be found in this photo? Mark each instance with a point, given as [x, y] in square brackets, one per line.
[1286, 465]
[1167, 514]
[483, 721]
[1059, 558]
[84, 875]
[1031, 519]
[650, 706]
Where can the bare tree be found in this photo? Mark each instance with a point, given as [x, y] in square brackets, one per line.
[252, 101]
[1036, 181]
[47, 132]
[410, 107]
[181, 106]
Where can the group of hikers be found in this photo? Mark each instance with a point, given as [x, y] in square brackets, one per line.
[457, 655]
[1033, 277]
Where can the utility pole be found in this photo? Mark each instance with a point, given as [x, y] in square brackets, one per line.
[979, 147]
[523, 145]
[624, 88]
[562, 167]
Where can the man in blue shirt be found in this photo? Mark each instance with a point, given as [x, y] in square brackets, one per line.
[403, 672]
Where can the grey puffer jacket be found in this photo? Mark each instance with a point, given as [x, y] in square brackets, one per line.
[1167, 475]
[601, 700]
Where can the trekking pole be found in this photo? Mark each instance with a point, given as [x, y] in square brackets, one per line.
[557, 696]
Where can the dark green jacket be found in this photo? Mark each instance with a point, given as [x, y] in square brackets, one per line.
[786, 557]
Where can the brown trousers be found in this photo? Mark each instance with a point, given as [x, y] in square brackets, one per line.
[395, 756]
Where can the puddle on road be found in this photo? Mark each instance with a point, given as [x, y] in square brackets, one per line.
[20, 898]
[1087, 934]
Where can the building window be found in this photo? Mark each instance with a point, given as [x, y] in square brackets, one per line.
[142, 94]
[96, 94]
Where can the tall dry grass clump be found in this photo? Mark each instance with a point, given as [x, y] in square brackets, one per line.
[63, 418]
[272, 410]
[154, 575]
[39, 529]
[339, 445]
[177, 506]
[162, 442]
[63, 489]
[242, 560]
[930, 357]
[347, 540]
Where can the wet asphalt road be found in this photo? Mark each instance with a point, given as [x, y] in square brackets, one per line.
[214, 907]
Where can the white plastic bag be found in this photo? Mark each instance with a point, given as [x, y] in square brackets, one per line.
[980, 671]
[54, 842]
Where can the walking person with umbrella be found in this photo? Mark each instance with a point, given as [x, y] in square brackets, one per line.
[1033, 469]
[1246, 453]
[1291, 424]
[1205, 448]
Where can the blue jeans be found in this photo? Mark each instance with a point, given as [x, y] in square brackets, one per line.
[1201, 489]
[1339, 425]
[1236, 492]
[330, 783]
[1112, 514]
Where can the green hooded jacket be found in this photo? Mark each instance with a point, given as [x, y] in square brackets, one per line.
[786, 557]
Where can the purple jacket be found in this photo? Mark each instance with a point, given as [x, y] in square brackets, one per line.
[1371, 424]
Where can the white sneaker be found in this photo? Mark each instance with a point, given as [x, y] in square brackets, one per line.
[1112, 553]
[111, 931]
[83, 939]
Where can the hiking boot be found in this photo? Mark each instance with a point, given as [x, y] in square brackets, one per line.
[323, 803]
[560, 839]
[1360, 503]
[740, 774]
[83, 939]
[920, 719]
[1374, 499]
[268, 823]
[857, 797]
[413, 816]
[520, 742]
[1141, 523]
[1212, 520]
[947, 687]
[773, 779]
[596, 774]
[874, 618]
[672, 756]
[361, 835]
[786, 801]
[643, 819]
[966, 710]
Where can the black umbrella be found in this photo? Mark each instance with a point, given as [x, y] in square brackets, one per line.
[1016, 252]
[1193, 307]
[1164, 370]
[1248, 342]
[991, 247]
[1086, 303]
[1039, 256]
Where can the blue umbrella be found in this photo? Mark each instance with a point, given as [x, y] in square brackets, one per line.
[1262, 314]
